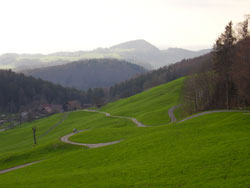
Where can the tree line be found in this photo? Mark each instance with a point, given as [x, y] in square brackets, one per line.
[19, 92]
[226, 84]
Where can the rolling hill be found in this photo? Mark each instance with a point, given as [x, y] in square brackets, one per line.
[173, 55]
[208, 151]
[151, 106]
[85, 74]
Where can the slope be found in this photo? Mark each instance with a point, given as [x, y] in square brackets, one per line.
[16, 145]
[210, 151]
[207, 151]
[149, 107]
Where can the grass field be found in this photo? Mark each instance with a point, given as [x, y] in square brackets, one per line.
[208, 151]
[16, 146]
[149, 107]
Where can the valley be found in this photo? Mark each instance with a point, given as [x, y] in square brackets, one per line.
[81, 108]
[173, 154]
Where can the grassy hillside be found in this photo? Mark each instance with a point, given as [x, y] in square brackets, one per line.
[149, 107]
[207, 151]
[16, 146]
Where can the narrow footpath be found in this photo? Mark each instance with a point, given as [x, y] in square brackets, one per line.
[210, 112]
[138, 124]
[17, 167]
[65, 139]
[171, 113]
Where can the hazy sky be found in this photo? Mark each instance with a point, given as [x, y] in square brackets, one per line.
[32, 26]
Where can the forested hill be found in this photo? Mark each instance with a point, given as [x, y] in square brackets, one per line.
[19, 91]
[163, 75]
[87, 74]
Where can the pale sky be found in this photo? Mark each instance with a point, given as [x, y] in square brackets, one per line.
[45, 26]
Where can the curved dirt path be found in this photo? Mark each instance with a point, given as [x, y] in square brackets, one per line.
[17, 167]
[138, 124]
[171, 113]
[210, 112]
[65, 139]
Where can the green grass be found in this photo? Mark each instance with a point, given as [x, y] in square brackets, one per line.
[103, 135]
[149, 107]
[16, 146]
[208, 151]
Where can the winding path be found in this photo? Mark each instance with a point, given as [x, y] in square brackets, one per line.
[210, 112]
[138, 124]
[17, 167]
[171, 113]
[66, 140]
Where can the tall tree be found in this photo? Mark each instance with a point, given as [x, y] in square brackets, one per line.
[241, 66]
[223, 59]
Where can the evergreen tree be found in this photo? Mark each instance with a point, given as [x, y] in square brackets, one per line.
[223, 60]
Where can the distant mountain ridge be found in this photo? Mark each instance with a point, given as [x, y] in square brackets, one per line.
[174, 55]
[139, 52]
[143, 51]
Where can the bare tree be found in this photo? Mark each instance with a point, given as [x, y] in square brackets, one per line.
[223, 60]
[34, 134]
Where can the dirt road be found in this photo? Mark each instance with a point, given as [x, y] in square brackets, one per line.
[210, 112]
[138, 124]
[171, 113]
[17, 167]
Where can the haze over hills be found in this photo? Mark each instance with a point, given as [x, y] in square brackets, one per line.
[138, 52]
[87, 74]
[142, 51]
[174, 55]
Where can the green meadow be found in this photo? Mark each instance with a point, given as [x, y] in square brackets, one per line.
[212, 150]
[149, 107]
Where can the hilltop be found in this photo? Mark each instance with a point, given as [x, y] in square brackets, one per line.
[137, 45]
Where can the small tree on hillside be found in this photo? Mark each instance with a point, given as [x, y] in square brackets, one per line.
[31, 118]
